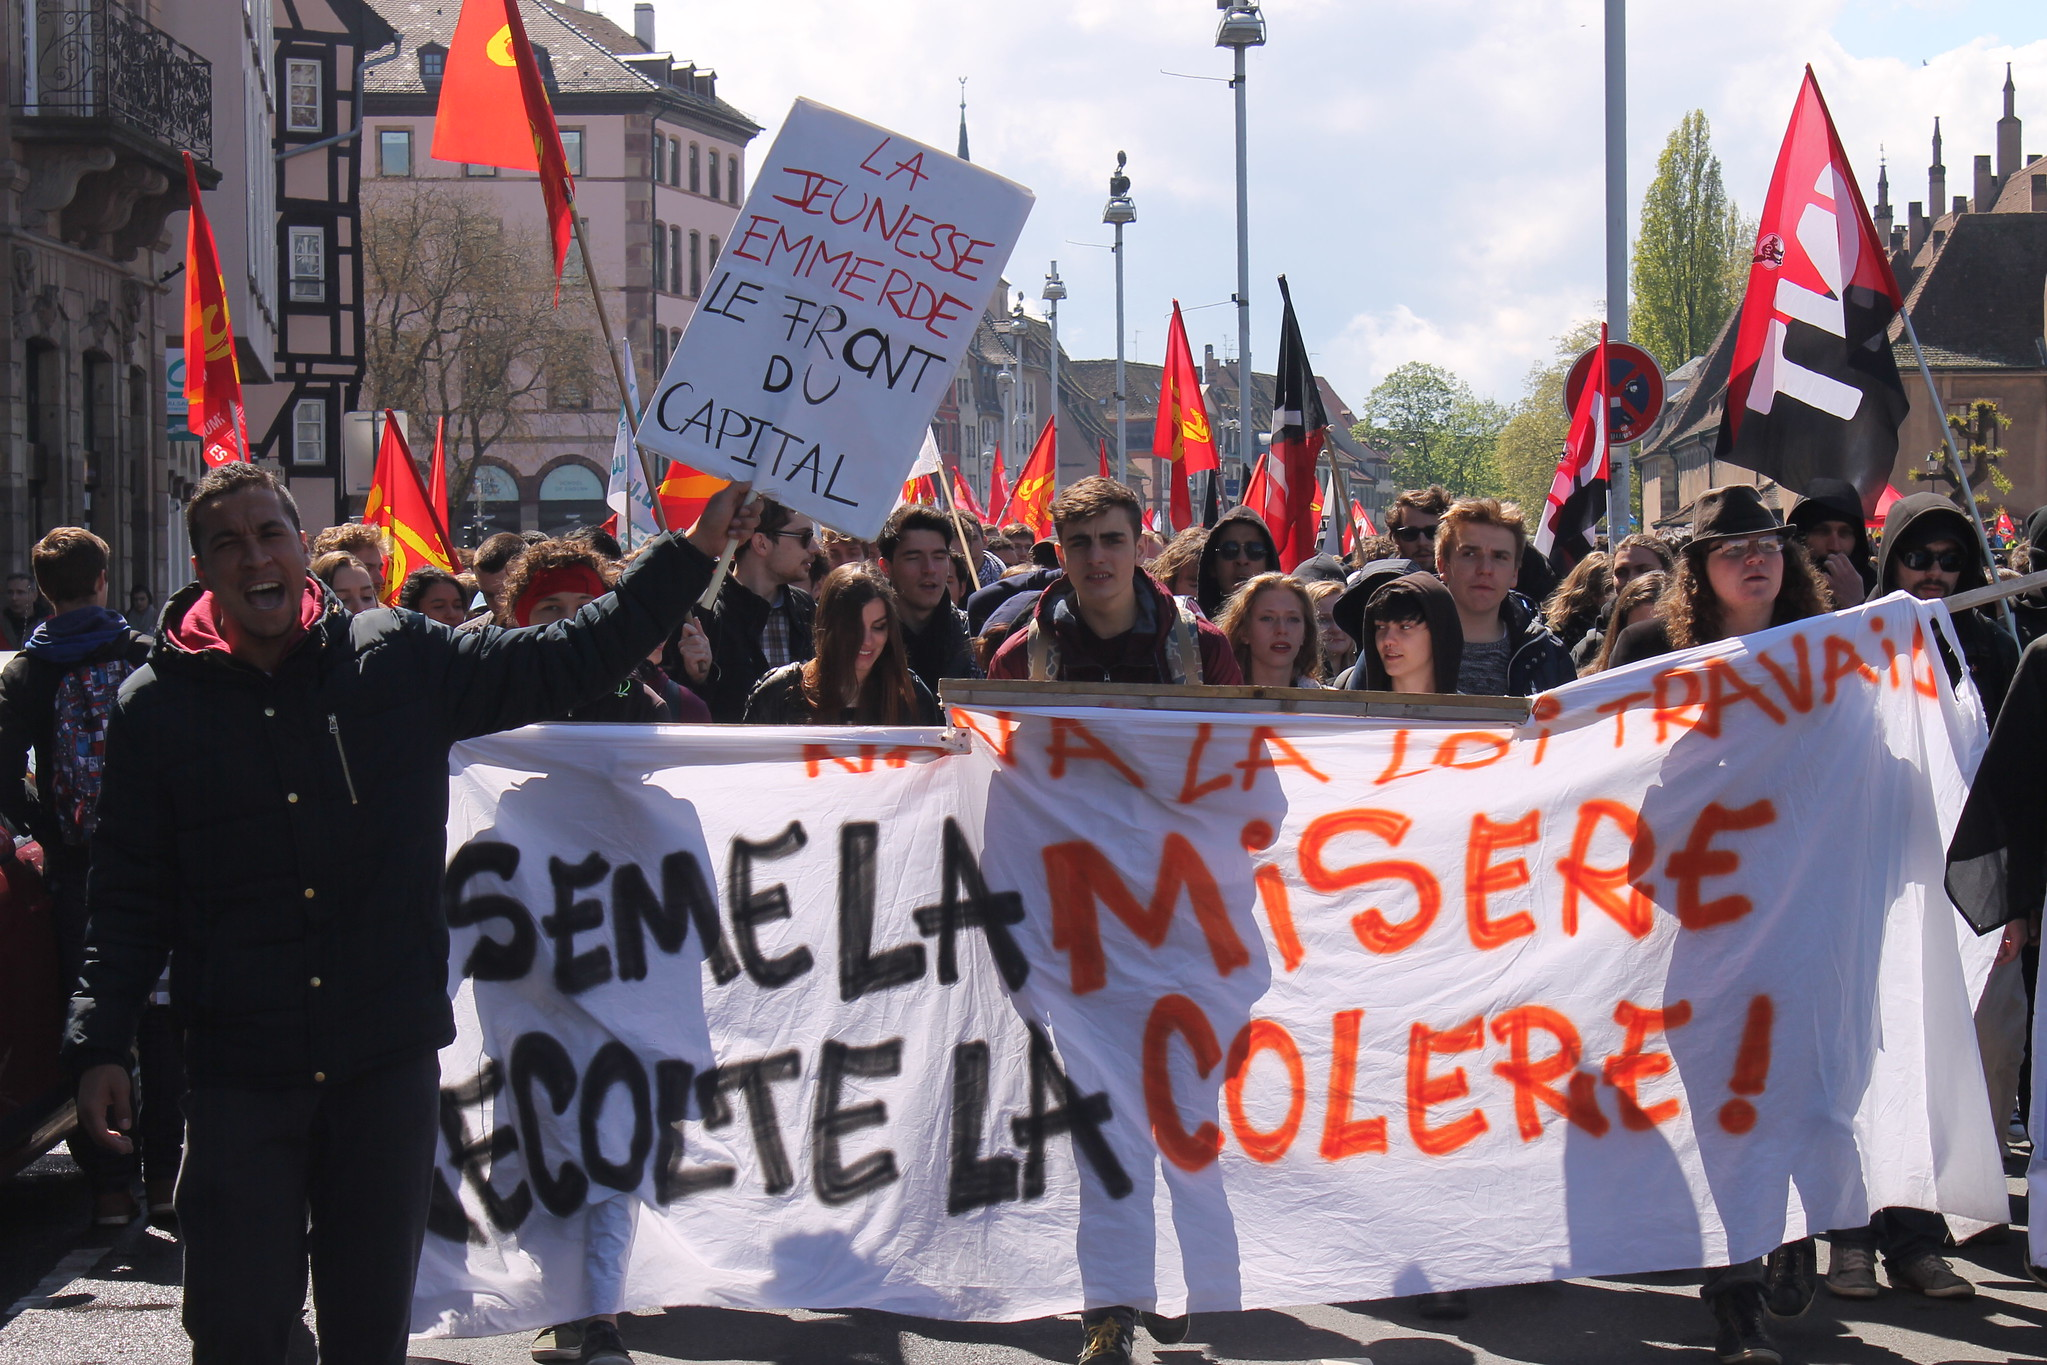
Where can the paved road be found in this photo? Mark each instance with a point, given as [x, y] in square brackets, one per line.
[76, 1302]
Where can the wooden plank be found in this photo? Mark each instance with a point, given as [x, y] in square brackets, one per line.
[1012, 695]
[2010, 587]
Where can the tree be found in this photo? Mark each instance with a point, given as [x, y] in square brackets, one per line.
[1532, 441]
[462, 321]
[1438, 429]
[1692, 253]
[1975, 430]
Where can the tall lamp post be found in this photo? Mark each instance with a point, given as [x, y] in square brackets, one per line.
[1119, 210]
[1242, 27]
[1618, 496]
[1055, 290]
[1018, 328]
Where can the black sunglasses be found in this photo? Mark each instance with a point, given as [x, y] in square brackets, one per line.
[1919, 561]
[802, 537]
[1414, 532]
[1239, 549]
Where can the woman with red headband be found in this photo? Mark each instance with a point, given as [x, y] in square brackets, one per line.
[861, 674]
[551, 583]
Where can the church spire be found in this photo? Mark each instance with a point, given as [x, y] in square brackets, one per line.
[963, 120]
[2008, 147]
[1936, 178]
[1882, 213]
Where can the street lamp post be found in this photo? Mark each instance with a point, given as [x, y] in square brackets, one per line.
[1618, 496]
[1055, 290]
[1119, 210]
[1242, 27]
[1018, 328]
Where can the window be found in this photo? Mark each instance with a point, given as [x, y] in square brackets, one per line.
[660, 349]
[572, 264]
[674, 258]
[714, 175]
[394, 151]
[696, 179]
[479, 172]
[714, 251]
[433, 60]
[308, 253]
[571, 495]
[696, 263]
[309, 431]
[542, 60]
[302, 112]
[660, 256]
[732, 178]
[675, 162]
[572, 149]
[569, 390]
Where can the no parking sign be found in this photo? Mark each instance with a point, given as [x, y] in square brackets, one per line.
[1635, 383]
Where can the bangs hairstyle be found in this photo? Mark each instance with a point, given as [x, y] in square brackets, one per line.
[842, 600]
[1182, 552]
[330, 564]
[1432, 501]
[1480, 512]
[1691, 611]
[1400, 603]
[1644, 590]
[539, 559]
[1096, 496]
[1235, 622]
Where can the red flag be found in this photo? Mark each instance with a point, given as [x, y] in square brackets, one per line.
[1151, 520]
[1262, 496]
[1299, 426]
[398, 506]
[963, 496]
[683, 493]
[998, 490]
[1181, 433]
[1885, 500]
[1031, 504]
[437, 478]
[494, 111]
[2004, 525]
[1813, 390]
[1577, 495]
[213, 378]
[1102, 457]
[1359, 526]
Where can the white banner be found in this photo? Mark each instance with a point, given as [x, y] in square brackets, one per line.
[836, 317]
[1211, 1011]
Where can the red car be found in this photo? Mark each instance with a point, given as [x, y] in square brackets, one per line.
[36, 1102]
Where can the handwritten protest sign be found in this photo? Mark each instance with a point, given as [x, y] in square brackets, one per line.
[1211, 1011]
[836, 317]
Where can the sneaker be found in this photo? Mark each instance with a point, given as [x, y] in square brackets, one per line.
[114, 1209]
[1851, 1272]
[1790, 1278]
[1165, 1331]
[1931, 1276]
[561, 1342]
[1447, 1305]
[602, 1344]
[1743, 1340]
[1106, 1337]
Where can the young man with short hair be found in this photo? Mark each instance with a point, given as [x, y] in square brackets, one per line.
[1828, 519]
[1508, 651]
[761, 619]
[1412, 519]
[272, 821]
[916, 553]
[364, 542]
[493, 565]
[1106, 619]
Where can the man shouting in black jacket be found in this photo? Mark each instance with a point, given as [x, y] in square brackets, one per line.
[272, 820]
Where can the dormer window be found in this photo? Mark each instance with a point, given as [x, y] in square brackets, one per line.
[546, 65]
[433, 61]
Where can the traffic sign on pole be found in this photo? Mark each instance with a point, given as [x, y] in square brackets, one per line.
[1635, 383]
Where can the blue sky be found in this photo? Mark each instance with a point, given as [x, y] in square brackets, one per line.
[1428, 175]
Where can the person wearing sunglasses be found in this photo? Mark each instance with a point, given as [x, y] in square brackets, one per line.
[1238, 549]
[1930, 550]
[762, 619]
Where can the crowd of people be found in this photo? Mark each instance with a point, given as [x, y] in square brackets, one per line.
[206, 782]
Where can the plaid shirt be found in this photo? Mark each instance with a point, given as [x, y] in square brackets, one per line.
[775, 634]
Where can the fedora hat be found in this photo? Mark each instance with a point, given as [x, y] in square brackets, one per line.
[1735, 510]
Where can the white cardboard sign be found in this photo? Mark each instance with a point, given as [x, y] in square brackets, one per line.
[835, 317]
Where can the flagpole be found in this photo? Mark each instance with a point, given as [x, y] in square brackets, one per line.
[1618, 496]
[959, 528]
[647, 468]
[1961, 475]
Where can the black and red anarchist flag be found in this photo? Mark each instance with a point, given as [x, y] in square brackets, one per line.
[1300, 424]
[1814, 390]
[1577, 495]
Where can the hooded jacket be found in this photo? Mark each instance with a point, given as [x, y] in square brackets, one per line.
[281, 837]
[1446, 640]
[2030, 609]
[1536, 658]
[1139, 655]
[1991, 655]
[28, 702]
[984, 603]
[1997, 863]
[1208, 589]
[1837, 500]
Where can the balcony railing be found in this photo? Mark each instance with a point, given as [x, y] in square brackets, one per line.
[93, 59]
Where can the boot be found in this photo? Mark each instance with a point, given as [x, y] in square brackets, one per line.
[1743, 1340]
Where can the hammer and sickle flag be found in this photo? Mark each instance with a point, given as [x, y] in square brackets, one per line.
[213, 381]
[494, 110]
[1181, 433]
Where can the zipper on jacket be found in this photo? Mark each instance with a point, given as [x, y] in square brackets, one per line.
[334, 729]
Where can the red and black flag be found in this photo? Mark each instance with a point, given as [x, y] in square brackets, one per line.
[1813, 390]
[1577, 496]
[1300, 424]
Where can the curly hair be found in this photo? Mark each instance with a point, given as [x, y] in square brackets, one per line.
[538, 559]
[1691, 611]
[1582, 593]
[1235, 622]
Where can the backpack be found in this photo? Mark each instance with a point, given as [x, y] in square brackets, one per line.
[78, 747]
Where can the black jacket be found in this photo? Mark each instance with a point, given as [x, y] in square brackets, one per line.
[737, 660]
[1446, 640]
[281, 837]
[1997, 864]
[1837, 500]
[941, 649]
[28, 701]
[1536, 659]
[779, 700]
[1990, 652]
[1208, 589]
[2030, 609]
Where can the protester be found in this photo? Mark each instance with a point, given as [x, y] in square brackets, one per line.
[1412, 644]
[1270, 623]
[1238, 549]
[1349, 611]
[1339, 651]
[1411, 522]
[761, 619]
[1507, 649]
[493, 562]
[976, 549]
[1829, 520]
[603, 542]
[2029, 609]
[917, 556]
[348, 578]
[435, 594]
[860, 674]
[1023, 579]
[840, 548]
[271, 741]
[141, 611]
[1578, 603]
[366, 543]
[1178, 566]
[1930, 550]
[25, 608]
[1639, 553]
[1106, 619]
[55, 697]
[1637, 603]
